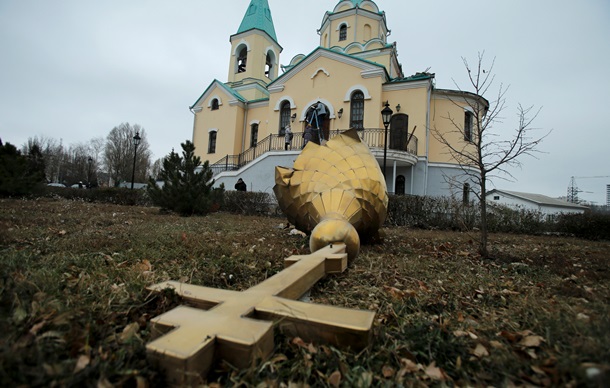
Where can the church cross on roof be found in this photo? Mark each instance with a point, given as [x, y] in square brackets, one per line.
[258, 16]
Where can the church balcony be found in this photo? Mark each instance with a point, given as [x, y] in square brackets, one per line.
[399, 150]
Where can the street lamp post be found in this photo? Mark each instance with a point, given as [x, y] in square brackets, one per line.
[386, 116]
[136, 143]
[89, 161]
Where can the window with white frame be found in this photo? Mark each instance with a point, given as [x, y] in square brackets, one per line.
[468, 118]
[343, 32]
[357, 110]
[212, 142]
[253, 135]
[284, 117]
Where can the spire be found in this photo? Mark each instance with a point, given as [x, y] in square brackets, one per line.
[258, 16]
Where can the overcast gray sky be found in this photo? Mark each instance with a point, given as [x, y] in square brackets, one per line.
[74, 69]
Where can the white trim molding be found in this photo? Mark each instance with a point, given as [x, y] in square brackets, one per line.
[238, 45]
[275, 55]
[255, 122]
[282, 99]
[331, 108]
[212, 130]
[320, 69]
[212, 99]
[343, 22]
[362, 88]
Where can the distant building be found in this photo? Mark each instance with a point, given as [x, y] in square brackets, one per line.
[239, 125]
[136, 185]
[534, 202]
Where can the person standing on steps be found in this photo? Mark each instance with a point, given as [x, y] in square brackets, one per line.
[287, 137]
[307, 135]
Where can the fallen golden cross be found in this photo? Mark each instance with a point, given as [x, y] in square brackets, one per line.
[236, 326]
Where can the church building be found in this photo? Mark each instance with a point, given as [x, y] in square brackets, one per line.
[354, 73]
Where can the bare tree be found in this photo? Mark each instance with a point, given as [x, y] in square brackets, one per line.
[155, 170]
[119, 154]
[52, 153]
[486, 153]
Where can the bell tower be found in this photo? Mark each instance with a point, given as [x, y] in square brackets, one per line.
[255, 52]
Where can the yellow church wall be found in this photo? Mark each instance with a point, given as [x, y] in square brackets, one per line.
[260, 116]
[413, 102]
[359, 29]
[226, 120]
[253, 93]
[440, 111]
[329, 80]
[366, 29]
[368, 7]
[382, 59]
[257, 44]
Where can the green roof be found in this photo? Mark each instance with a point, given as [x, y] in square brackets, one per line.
[227, 88]
[258, 16]
[356, 3]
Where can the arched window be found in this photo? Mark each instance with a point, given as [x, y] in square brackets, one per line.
[269, 64]
[367, 32]
[399, 185]
[399, 131]
[468, 125]
[253, 135]
[357, 110]
[284, 116]
[215, 104]
[466, 194]
[212, 142]
[343, 32]
[242, 59]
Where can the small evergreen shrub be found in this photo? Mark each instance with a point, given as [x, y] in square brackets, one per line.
[187, 184]
[20, 175]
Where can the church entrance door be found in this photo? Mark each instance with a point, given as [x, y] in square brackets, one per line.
[399, 130]
[320, 123]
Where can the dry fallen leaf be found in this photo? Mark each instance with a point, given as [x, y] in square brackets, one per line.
[496, 344]
[387, 371]
[144, 265]
[435, 373]
[312, 349]
[394, 292]
[531, 341]
[298, 341]
[129, 331]
[480, 351]
[583, 317]
[81, 363]
[538, 370]
[462, 333]
[335, 378]
[409, 366]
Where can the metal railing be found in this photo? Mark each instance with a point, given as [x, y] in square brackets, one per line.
[373, 137]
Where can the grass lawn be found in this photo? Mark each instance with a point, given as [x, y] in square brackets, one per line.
[74, 310]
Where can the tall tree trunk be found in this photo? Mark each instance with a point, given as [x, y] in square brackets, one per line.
[483, 205]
